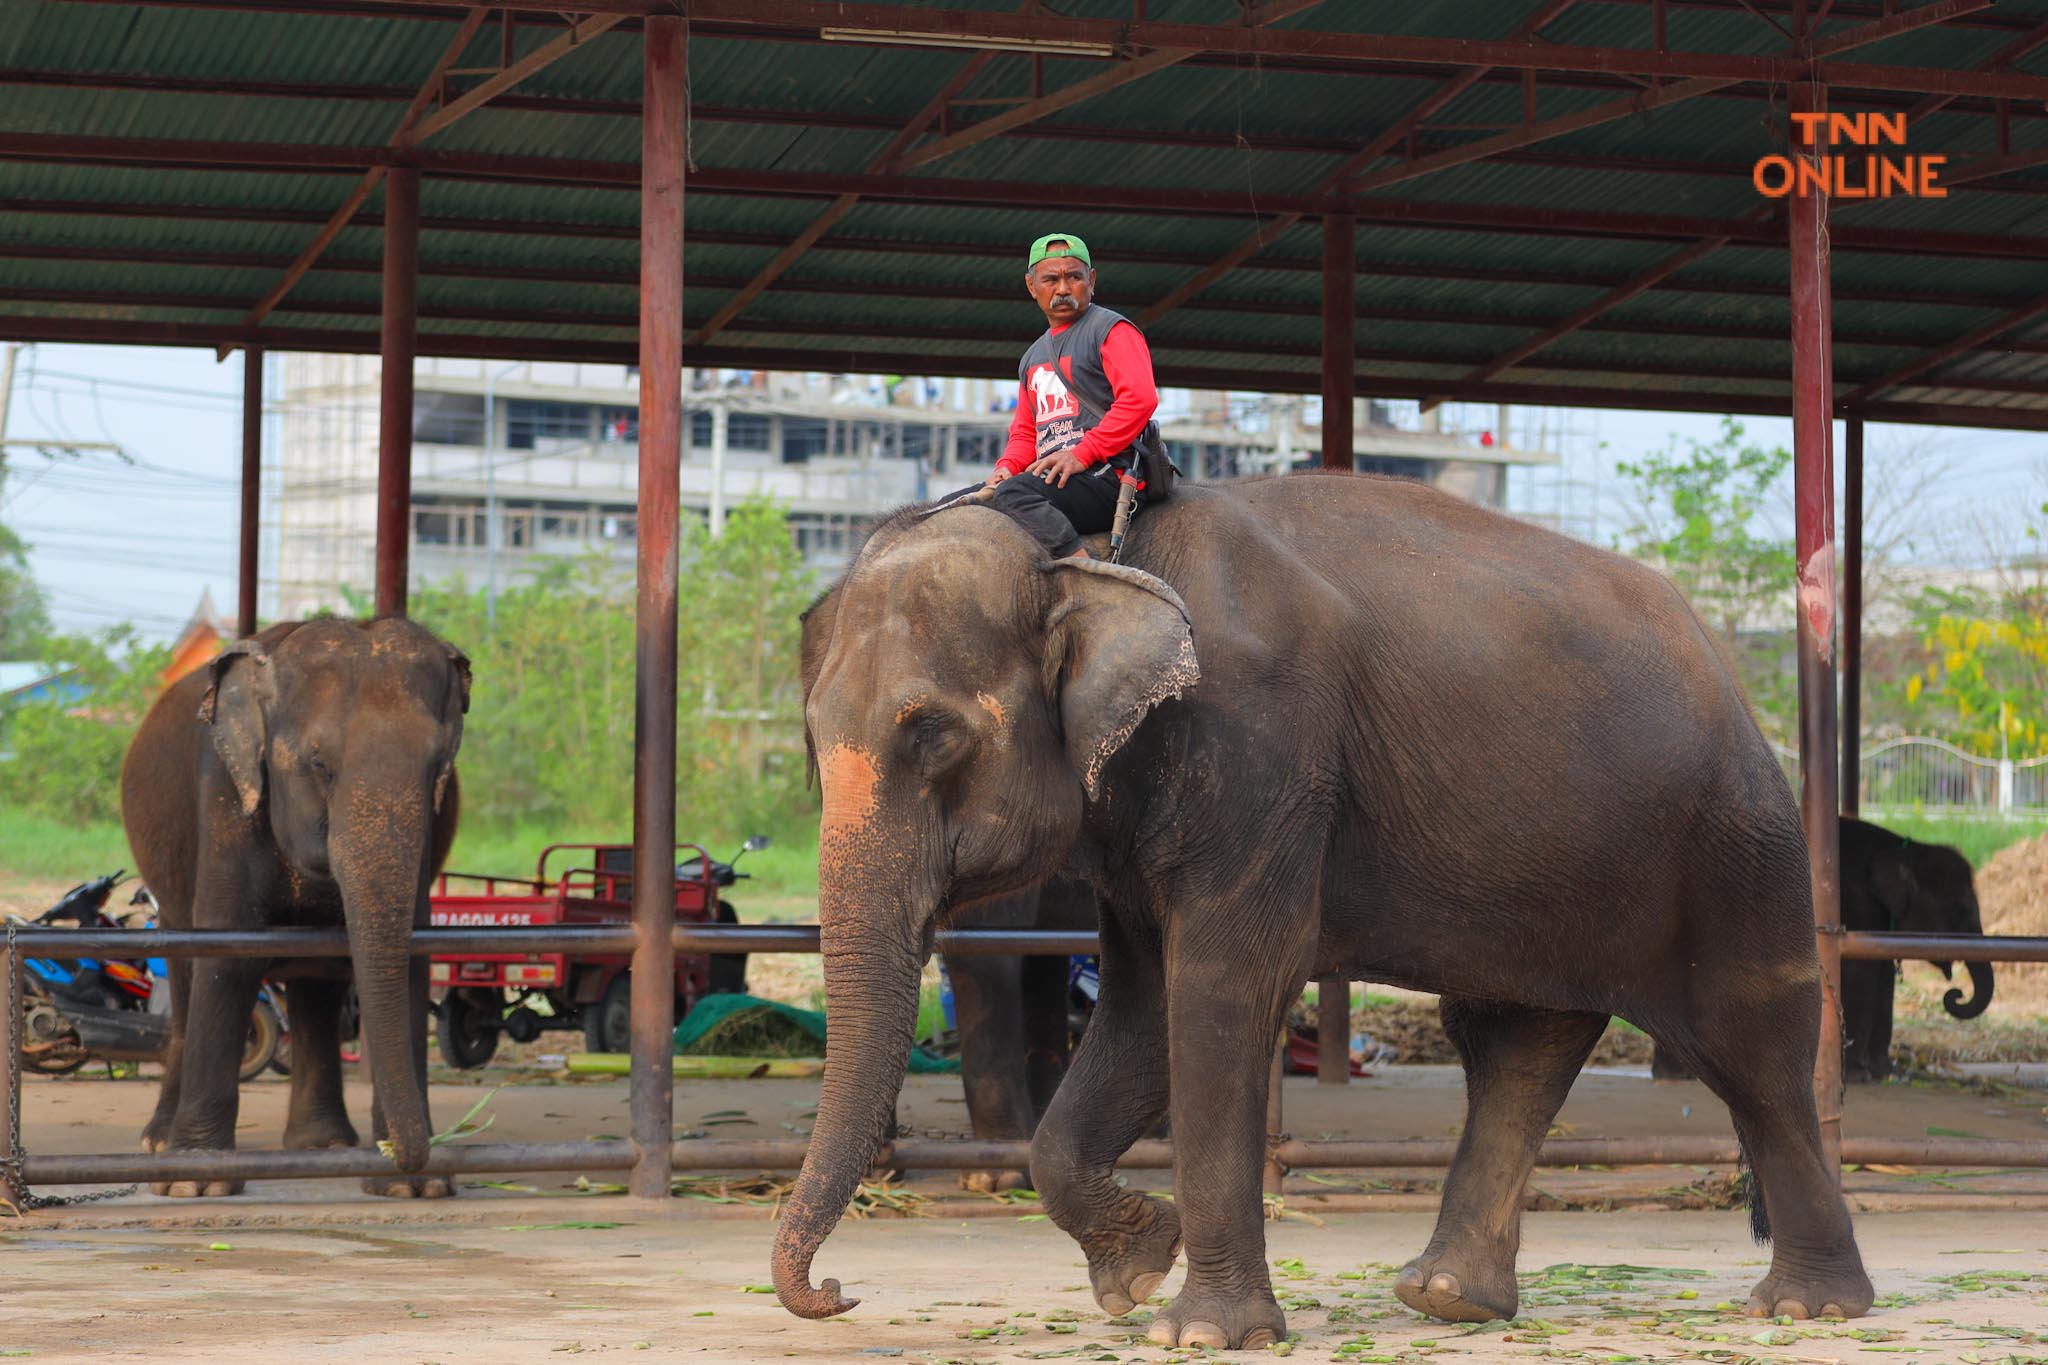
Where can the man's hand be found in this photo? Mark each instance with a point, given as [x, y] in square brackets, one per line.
[1057, 469]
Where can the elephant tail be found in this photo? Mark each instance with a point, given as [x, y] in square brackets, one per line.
[1752, 1190]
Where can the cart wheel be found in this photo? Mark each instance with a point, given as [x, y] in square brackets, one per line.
[608, 1025]
[265, 1028]
[728, 970]
[467, 1036]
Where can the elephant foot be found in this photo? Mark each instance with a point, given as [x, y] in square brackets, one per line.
[314, 1134]
[1839, 1293]
[195, 1189]
[1127, 1265]
[994, 1182]
[1442, 1286]
[1220, 1322]
[409, 1186]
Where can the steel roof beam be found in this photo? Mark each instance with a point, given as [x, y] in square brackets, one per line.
[875, 23]
[623, 320]
[1890, 26]
[900, 156]
[855, 360]
[1378, 146]
[788, 256]
[367, 185]
[415, 125]
[1974, 338]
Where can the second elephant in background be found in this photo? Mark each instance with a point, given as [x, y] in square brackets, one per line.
[1012, 1016]
[1892, 883]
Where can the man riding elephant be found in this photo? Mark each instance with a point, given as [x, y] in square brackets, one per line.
[1321, 725]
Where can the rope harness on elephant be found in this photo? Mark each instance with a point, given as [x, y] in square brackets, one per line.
[15, 1194]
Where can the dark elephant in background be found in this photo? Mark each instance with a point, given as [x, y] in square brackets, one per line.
[307, 777]
[1892, 883]
[1257, 742]
[1012, 1016]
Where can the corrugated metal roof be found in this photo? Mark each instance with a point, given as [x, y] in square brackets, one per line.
[546, 257]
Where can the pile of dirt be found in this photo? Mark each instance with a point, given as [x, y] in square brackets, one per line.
[2012, 891]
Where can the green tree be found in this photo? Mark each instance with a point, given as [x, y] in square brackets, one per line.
[549, 738]
[24, 611]
[1982, 679]
[1698, 516]
[66, 752]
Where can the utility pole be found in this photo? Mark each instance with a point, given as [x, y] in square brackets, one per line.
[6, 393]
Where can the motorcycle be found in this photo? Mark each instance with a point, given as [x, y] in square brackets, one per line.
[77, 1011]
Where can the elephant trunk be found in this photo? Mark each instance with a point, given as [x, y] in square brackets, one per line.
[872, 969]
[378, 847]
[1980, 981]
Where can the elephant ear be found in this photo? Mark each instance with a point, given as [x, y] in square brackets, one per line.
[1118, 643]
[456, 707]
[239, 690]
[818, 621]
[1893, 886]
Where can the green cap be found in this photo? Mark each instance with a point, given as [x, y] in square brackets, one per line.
[1074, 247]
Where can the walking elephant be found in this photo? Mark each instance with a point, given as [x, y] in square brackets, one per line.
[1891, 882]
[1320, 725]
[1012, 1014]
[306, 778]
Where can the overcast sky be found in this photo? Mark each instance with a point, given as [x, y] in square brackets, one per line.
[140, 535]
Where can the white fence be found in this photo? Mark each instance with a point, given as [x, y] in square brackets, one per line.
[1918, 775]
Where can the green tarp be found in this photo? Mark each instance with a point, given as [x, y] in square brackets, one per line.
[748, 1026]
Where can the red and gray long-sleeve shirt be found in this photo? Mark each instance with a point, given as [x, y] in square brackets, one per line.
[1102, 355]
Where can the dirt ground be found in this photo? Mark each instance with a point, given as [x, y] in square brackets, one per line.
[659, 1284]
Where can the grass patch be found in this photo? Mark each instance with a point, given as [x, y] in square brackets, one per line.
[34, 845]
[1977, 840]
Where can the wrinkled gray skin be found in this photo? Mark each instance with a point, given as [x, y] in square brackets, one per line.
[1322, 726]
[1892, 883]
[307, 777]
[1012, 1017]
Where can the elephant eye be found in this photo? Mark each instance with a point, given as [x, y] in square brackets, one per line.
[319, 768]
[937, 741]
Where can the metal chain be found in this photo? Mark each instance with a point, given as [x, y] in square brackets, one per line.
[11, 1165]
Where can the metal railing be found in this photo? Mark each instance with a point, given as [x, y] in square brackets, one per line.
[19, 1170]
[1917, 774]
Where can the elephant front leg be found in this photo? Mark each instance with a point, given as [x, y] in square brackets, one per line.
[222, 995]
[156, 1134]
[410, 1186]
[318, 1116]
[1224, 1023]
[1113, 1094]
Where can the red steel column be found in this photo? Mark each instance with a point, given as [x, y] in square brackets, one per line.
[1340, 336]
[252, 488]
[665, 62]
[1813, 487]
[1852, 614]
[398, 346]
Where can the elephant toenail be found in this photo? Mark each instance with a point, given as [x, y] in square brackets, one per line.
[1115, 1304]
[1792, 1308]
[1258, 1339]
[1162, 1333]
[1445, 1284]
[1142, 1287]
[1204, 1334]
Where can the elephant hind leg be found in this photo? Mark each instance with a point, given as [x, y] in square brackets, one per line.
[1757, 1055]
[318, 1116]
[1520, 1063]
